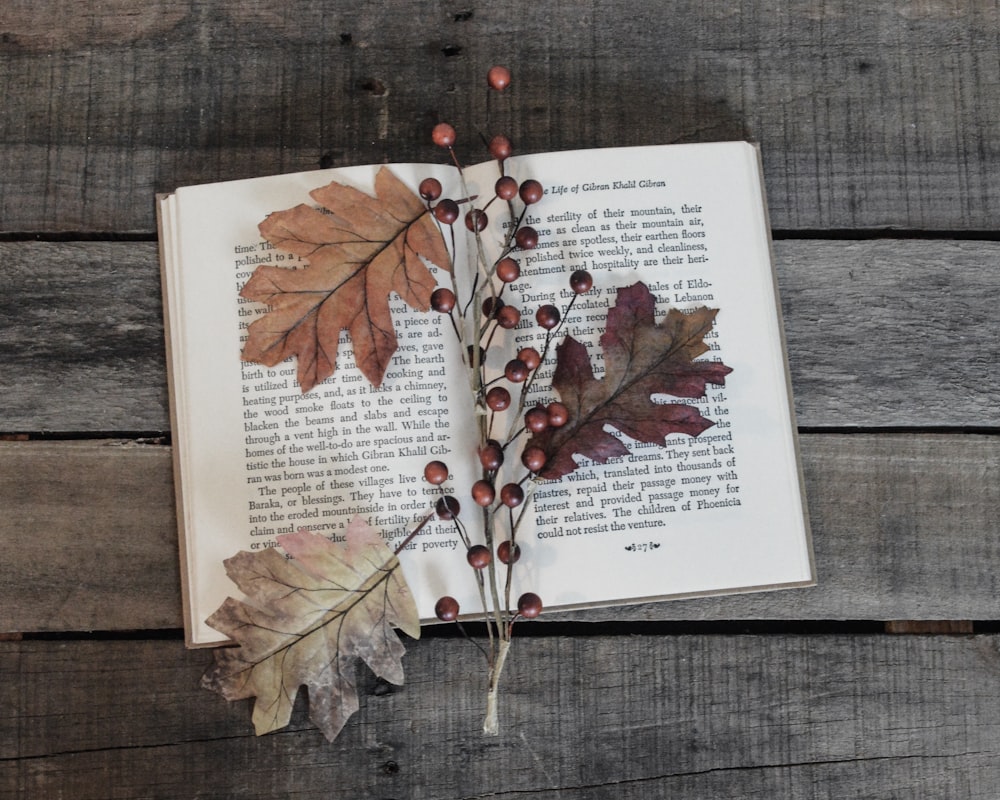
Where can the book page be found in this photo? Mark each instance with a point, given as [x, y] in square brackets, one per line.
[256, 457]
[722, 511]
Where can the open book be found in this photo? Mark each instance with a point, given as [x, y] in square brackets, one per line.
[255, 457]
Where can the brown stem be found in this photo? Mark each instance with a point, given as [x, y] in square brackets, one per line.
[413, 533]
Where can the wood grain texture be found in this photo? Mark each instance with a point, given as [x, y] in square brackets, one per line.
[880, 333]
[606, 717]
[869, 116]
[904, 526]
[81, 338]
[91, 537]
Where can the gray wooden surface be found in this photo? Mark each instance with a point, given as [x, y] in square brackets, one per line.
[904, 527]
[870, 115]
[734, 717]
[882, 333]
[882, 162]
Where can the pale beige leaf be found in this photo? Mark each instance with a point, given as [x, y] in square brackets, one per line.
[306, 622]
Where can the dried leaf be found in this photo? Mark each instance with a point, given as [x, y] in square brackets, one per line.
[641, 359]
[308, 620]
[358, 253]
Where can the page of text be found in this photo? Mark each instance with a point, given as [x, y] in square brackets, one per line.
[258, 457]
[715, 512]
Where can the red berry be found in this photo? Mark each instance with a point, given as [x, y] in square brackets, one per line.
[508, 270]
[529, 605]
[536, 419]
[498, 78]
[500, 148]
[446, 212]
[446, 609]
[443, 300]
[497, 398]
[533, 458]
[512, 495]
[526, 238]
[547, 316]
[531, 192]
[491, 455]
[508, 554]
[506, 188]
[581, 281]
[558, 414]
[430, 188]
[443, 135]
[476, 220]
[479, 556]
[530, 356]
[491, 306]
[436, 472]
[483, 493]
[516, 371]
[508, 317]
[447, 507]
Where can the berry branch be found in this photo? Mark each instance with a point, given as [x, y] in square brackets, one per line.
[476, 320]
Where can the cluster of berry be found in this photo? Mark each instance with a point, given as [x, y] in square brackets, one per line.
[478, 313]
[476, 320]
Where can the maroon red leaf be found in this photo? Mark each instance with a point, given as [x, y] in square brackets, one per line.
[642, 358]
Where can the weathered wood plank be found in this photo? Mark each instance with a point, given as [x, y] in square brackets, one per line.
[876, 331]
[880, 333]
[619, 717]
[905, 527]
[90, 537]
[81, 338]
[870, 116]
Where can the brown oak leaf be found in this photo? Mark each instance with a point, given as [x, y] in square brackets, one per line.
[358, 252]
[307, 620]
[642, 358]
